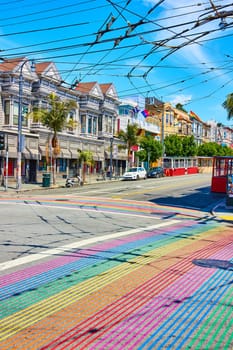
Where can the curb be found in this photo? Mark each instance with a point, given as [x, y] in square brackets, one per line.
[223, 212]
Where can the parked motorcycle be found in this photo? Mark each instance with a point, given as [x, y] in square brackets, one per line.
[74, 181]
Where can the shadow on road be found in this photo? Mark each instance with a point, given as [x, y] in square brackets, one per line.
[199, 199]
[213, 263]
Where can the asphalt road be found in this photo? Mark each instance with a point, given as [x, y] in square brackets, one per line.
[122, 265]
[191, 191]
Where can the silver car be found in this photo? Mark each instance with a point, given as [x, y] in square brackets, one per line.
[135, 173]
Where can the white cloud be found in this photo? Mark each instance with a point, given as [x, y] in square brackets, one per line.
[182, 99]
[182, 17]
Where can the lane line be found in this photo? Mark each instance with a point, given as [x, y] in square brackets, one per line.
[47, 253]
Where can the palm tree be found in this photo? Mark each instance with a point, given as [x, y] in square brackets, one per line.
[85, 159]
[129, 137]
[228, 105]
[54, 118]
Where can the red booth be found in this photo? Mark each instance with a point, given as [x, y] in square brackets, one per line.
[222, 168]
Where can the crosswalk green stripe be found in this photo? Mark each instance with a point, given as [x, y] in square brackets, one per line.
[205, 331]
[229, 319]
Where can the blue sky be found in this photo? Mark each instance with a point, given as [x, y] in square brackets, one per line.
[173, 50]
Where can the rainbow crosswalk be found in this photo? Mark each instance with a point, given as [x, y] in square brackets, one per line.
[122, 206]
[169, 287]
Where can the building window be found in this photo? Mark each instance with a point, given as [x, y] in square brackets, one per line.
[110, 125]
[125, 110]
[7, 112]
[25, 109]
[100, 123]
[89, 125]
[83, 124]
[15, 113]
[94, 125]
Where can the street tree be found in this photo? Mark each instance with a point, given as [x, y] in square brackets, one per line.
[130, 138]
[85, 159]
[210, 149]
[150, 150]
[54, 118]
[180, 107]
[173, 146]
[189, 146]
[228, 105]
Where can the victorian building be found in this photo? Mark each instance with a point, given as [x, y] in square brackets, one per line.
[90, 127]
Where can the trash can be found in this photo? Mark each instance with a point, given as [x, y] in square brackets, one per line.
[46, 179]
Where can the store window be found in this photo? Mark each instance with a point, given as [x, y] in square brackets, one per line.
[62, 164]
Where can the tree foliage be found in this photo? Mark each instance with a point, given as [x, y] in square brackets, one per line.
[129, 137]
[86, 159]
[176, 146]
[151, 149]
[189, 146]
[228, 105]
[55, 117]
[211, 149]
[173, 146]
[180, 107]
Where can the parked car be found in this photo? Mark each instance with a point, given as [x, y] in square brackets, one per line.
[135, 173]
[155, 172]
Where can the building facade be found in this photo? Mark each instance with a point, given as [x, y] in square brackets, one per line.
[90, 127]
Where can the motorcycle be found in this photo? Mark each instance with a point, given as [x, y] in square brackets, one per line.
[74, 181]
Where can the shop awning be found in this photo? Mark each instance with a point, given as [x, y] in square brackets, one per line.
[65, 153]
[33, 153]
[43, 150]
[98, 157]
[12, 152]
[25, 154]
[73, 153]
[119, 156]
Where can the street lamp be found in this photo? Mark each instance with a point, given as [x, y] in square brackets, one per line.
[111, 142]
[20, 143]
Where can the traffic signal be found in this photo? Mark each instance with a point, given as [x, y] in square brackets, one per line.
[2, 141]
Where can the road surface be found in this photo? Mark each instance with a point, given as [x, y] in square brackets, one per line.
[109, 271]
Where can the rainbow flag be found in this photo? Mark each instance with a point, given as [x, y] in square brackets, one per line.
[145, 113]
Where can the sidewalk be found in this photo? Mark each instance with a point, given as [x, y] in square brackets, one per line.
[60, 182]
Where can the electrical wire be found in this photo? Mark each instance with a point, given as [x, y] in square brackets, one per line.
[148, 55]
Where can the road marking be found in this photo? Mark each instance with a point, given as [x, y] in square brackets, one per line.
[87, 209]
[30, 258]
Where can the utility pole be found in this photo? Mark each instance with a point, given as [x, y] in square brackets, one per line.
[111, 143]
[20, 138]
